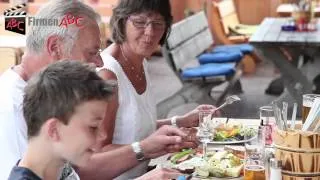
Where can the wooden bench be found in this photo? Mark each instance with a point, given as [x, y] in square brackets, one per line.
[188, 39]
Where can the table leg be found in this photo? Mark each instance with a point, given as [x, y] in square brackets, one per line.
[295, 81]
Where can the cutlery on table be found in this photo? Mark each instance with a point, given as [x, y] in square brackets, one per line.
[285, 114]
[229, 100]
[294, 116]
[276, 115]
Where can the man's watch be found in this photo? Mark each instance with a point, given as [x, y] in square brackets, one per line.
[137, 149]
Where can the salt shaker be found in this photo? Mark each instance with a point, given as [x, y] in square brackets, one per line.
[275, 169]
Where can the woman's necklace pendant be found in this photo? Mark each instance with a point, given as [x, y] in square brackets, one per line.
[138, 77]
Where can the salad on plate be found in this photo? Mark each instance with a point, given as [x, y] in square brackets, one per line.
[232, 132]
[221, 164]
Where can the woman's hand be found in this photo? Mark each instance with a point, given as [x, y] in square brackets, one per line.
[191, 119]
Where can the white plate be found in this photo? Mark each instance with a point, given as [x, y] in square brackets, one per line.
[232, 142]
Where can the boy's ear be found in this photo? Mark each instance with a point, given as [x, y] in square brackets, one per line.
[53, 46]
[52, 129]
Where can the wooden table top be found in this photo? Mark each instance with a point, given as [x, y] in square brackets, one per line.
[269, 33]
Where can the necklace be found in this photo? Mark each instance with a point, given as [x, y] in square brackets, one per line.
[132, 68]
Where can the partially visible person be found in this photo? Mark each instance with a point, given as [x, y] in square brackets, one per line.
[65, 99]
[63, 107]
[138, 27]
[46, 45]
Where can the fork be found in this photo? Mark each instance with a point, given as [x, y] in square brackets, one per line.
[229, 100]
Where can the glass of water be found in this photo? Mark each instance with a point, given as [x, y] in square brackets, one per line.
[204, 133]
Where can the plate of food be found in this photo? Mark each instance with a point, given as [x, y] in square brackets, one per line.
[233, 134]
[223, 164]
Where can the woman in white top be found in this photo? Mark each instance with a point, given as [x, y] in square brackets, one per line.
[138, 27]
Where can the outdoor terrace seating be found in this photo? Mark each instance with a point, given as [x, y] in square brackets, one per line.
[185, 50]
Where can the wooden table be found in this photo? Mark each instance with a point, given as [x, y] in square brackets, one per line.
[163, 160]
[268, 41]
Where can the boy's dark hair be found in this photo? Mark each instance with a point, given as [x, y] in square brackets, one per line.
[125, 8]
[56, 91]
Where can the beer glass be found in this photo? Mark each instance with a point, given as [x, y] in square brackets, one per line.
[307, 101]
[254, 166]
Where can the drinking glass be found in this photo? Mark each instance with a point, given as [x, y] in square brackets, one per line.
[266, 114]
[268, 119]
[254, 165]
[307, 101]
[204, 133]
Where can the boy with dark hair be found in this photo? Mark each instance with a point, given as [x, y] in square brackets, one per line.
[63, 106]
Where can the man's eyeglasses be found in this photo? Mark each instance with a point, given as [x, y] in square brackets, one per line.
[94, 58]
[96, 53]
[93, 55]
[141, 24]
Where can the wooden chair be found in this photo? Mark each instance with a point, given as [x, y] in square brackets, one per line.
[220, 30]
[9, 57]
[230, 21]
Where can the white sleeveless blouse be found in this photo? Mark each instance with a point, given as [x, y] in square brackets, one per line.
[136, 115]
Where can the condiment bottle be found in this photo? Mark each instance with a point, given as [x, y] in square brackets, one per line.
[268, 130]
[275, 169]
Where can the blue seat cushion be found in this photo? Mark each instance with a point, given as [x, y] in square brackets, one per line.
[244, 48]
[209, 70]
[220, 57]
